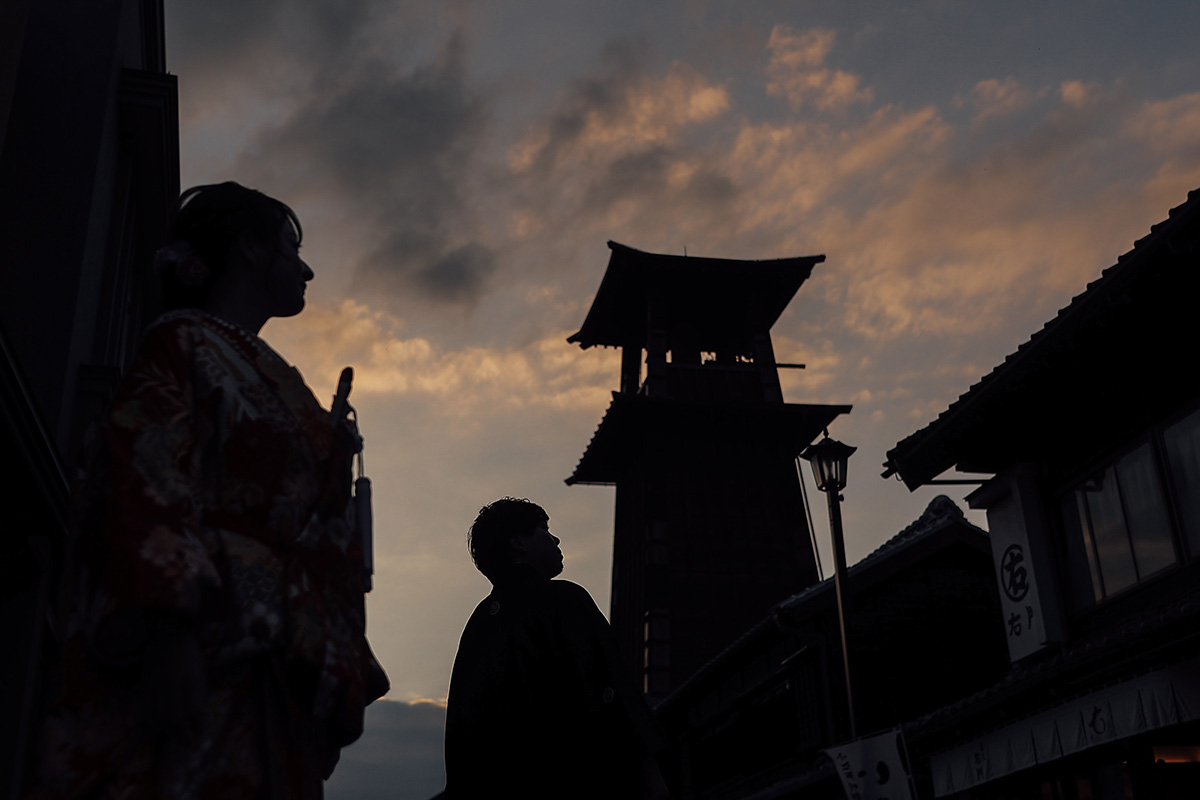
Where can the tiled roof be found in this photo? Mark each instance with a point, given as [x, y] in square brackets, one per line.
[591, 443]
[1084, 306]
[940, 513]
[719, 300]
[630, 417]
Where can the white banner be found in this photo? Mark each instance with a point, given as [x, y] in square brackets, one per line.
[1023, 559]
[1017, 577]
[874, 768]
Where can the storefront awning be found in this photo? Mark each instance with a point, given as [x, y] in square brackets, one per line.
[1155, 700]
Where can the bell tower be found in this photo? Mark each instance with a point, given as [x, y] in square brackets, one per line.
[710, 526]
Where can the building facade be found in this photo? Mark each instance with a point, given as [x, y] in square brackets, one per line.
[89, 173]
[924, 630]
[1090, 432]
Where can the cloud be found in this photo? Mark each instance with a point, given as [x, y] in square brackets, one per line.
[345, 112]
[1079, 94]
[797, 72]
[619, 111]
[1169, 126]
[998, 98]
[406, 262]
[618, 150]
[932, 228]
[821, 366]
[270, 48]
[397, 148]
[1170, 130]
[210, 37]
[804, 171]
[476, 381]
[935, 230]
[398, 757]
[931, 225]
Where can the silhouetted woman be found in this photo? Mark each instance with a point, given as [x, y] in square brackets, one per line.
[214, 626]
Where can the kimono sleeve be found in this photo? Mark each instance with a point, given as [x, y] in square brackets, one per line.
[143, 539]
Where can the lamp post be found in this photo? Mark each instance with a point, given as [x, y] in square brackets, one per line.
[828, 458]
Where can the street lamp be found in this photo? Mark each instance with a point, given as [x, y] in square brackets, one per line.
[828, 458]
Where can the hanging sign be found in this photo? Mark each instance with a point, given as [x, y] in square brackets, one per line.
[874, 768]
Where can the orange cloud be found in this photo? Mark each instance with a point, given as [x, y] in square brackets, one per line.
[798, 170]
[796, 71]
[998, 98]
[1166, 125]
[932, 229]
[476, 381]
[821, 367]
[1078, 94]
[646, 111]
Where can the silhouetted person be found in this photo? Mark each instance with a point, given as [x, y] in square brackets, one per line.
[213, 623]
[539, 706]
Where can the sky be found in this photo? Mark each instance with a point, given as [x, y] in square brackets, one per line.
[966, 168]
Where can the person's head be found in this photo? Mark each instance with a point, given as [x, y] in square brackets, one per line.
[514, 531]
[225, 234]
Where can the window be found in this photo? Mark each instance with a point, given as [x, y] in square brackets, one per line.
[1118, 521]
[1182, 444]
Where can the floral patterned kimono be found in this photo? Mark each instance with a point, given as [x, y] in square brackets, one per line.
[218, 499]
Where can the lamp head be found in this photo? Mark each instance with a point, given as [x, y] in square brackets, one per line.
[828, 458]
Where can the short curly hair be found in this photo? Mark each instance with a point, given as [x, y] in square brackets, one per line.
[496, 523]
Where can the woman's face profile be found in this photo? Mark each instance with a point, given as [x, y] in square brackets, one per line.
[287, 275]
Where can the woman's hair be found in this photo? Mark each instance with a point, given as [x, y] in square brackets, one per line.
[210, 221]
[497, 523]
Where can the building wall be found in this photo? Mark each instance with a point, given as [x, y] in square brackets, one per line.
[924, 631]
[710, 533]
[89, 171]
[1096, 527]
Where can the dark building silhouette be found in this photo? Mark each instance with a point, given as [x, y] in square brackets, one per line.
[1056, 657]
[89, 171]
[1091, 430]
[710, 527]
[925, 631]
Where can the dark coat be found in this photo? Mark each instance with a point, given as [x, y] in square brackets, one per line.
[539, 705]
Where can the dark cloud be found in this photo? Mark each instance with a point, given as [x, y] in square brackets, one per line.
[399, 141]
[205, 34]
[368, 119]
[604, 94]
[399, 756]
[617, 138]
[643, 176]
[398, 148]
[710, 187]
[459, 275]
[413, 261]
[216, 42]
[636, 174]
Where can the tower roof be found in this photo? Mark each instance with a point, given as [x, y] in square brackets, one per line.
[721, 300]
[786, 426]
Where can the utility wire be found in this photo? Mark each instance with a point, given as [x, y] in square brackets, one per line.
[812, 533]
